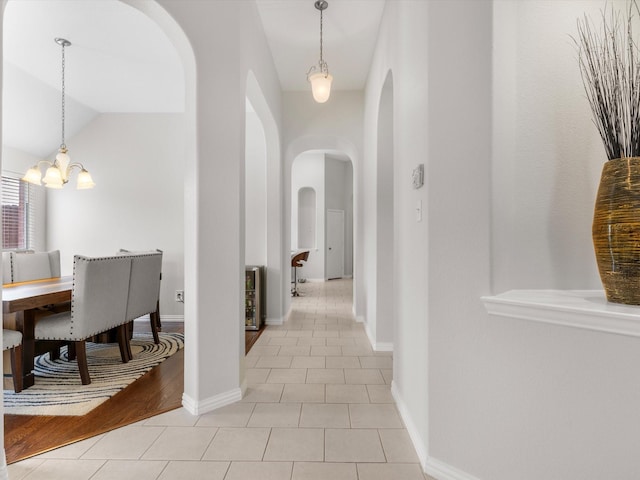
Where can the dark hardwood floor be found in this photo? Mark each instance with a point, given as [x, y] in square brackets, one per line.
[158, 391]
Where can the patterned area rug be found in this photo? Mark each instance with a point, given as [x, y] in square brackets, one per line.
[59, 391]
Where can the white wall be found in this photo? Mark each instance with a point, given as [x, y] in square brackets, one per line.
[255, 192]
[548, 156]
[16, 161]
[547, 162]
[137, 203]
[495, 109]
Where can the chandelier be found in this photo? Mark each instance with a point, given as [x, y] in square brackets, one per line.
[57, 174]
[319, 75]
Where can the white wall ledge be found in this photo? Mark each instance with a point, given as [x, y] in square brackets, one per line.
[586, 309]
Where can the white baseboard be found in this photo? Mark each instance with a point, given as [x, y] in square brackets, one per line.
[273, 321]
[370, 335]
[444, 471]
[418, 442]
[243, 388]
[198, 408]
[359, 318]
[431, 466]
[377, 346]
[383, 347]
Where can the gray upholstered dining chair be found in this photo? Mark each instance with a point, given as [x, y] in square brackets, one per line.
[27, 265]
[144, 288]
[12, 340]
[98, 303]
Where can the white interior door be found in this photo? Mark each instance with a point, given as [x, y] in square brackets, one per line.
[335, 244]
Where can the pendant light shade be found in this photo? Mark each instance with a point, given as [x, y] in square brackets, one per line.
[84, 180]
[319, 76]
[53, 178]
[33, 175]
[320, 86]
[57, 174]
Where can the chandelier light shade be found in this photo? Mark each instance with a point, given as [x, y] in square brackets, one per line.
[318, 75]
[57, 173]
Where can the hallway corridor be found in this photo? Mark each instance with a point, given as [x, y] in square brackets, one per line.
[317, 407]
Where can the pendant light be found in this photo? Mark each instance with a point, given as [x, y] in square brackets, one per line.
[319, 75]
[57, 174]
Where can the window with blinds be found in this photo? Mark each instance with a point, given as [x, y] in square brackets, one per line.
[20, 201]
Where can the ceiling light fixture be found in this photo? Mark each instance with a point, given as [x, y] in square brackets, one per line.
[57, 174]
[319, 75]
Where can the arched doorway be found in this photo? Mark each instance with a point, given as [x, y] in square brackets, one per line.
[262, 143]
[322, 213]
[169, 126]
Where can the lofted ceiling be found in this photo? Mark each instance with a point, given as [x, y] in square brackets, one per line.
[120, 61]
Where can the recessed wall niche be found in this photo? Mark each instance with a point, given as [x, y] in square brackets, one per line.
[306, 218]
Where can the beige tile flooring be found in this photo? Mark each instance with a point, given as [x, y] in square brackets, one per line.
[317, 406]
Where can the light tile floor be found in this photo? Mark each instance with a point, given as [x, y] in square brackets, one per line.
[318, 407]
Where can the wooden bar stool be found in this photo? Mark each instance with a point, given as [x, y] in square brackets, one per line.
[296, 261]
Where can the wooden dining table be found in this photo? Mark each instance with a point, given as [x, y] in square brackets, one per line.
[25, 300]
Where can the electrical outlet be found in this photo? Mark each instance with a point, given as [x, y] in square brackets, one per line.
[180, 296]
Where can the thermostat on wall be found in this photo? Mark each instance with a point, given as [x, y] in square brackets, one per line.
[418, 176]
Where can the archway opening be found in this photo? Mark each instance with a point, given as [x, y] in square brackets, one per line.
[166, 131]
[322, 214]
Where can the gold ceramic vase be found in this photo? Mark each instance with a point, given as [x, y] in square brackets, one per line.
[616, 230]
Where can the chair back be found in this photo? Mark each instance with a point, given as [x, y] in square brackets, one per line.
[100, 294]
[27, 266]
[144, 286]
[297, 259]
[7, 267]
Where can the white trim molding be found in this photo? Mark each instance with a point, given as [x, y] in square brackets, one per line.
[377, 346]
[208, 405]
[243, 388]
[166, 318]
[444, 471]
[430, 465]
[370, 336]
[586, 309]
[383, 347]
[274, 321]
[418, 443]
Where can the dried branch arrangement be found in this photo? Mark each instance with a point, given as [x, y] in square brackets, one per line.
[610, 67]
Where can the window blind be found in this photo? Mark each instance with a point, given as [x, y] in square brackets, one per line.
[20, 201]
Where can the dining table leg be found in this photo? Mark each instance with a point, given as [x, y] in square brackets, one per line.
[25, 321]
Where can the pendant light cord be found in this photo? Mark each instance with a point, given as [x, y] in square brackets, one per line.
[62, 144]
[321, 61]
